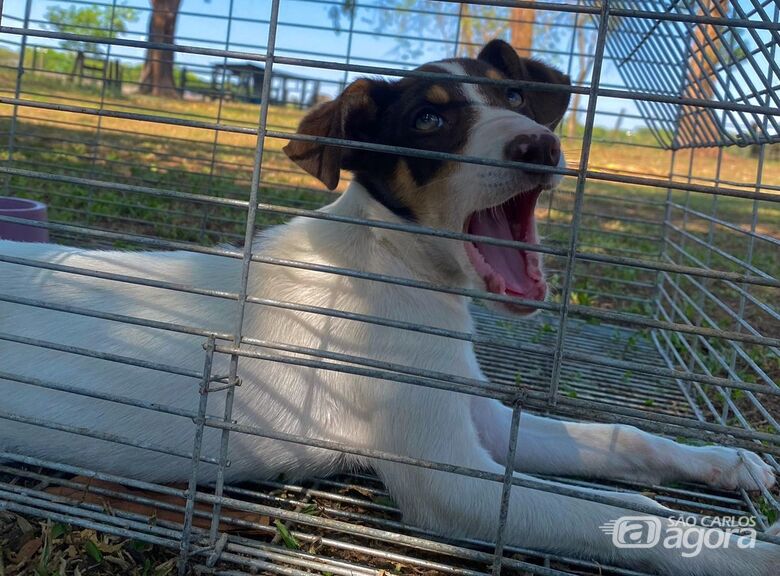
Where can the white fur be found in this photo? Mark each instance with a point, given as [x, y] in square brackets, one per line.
[470, 91]
[399, 418]
[493, 129]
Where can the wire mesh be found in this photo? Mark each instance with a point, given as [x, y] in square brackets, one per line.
[701, 61]
[661, 252]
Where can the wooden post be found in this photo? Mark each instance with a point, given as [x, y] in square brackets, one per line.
[316, 95]
[80, 66]
[116, 77]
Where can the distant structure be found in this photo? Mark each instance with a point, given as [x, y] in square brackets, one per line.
[244, 82]
[93, 70]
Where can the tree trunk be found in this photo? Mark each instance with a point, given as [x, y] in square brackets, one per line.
[585, 64]
[466, 40]
[698, 125]
[572, 120]
[521, 29]
[157, 74]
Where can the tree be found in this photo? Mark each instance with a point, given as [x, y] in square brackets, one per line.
[100, 22]
[479, 24]
[575, 30]
[472, 25]
[586, 47]
[521, 30]
[157, 73]
[416, 21]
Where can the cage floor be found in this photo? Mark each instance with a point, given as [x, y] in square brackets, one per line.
[603, 384]
[356, 526]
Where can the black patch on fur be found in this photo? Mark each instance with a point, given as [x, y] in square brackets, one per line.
[382, 193]
[398, 106]
[396, 126]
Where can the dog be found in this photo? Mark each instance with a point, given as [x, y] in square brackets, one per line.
[329, 403]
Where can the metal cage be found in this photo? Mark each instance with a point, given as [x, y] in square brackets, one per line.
[665, 263]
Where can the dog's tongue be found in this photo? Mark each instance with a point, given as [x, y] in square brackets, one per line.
[508, 270]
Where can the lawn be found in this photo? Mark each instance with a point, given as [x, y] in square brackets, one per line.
[616, 220]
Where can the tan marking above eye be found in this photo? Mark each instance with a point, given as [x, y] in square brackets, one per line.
[494, 74]
[437, 95]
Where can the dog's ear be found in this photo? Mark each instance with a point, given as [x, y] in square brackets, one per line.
[347, 117]
[548, 107]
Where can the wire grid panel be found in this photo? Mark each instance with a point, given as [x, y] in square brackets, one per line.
[702, 61]
[663, 315]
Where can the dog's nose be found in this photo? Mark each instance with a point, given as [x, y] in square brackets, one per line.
[542, 149]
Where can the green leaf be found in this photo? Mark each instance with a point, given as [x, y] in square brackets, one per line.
[288, 539]
[767, 510]
[93, 551]
[140, 546]
[384, 501]
[58, 530]
[311, 509]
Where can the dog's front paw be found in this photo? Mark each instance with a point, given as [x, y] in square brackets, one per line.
[731, 469]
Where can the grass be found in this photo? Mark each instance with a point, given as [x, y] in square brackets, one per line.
[178, 158]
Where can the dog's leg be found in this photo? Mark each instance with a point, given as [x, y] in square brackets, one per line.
[618, 452]
[469, 507]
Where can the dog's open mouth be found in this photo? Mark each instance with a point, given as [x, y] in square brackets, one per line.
[508, 271]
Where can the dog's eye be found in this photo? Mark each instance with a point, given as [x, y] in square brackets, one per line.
[515, 98]
[427, 121]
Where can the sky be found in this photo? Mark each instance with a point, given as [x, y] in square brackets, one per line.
[306, 30]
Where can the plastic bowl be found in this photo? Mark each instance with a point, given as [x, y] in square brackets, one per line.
[27, 209]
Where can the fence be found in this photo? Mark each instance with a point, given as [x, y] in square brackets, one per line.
[661, 246]
[108, 74]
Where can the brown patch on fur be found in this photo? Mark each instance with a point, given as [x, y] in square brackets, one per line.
[404, 184]
[426, 200]
[494, 74]
[360, 85]
[437, 95]
[354, 107]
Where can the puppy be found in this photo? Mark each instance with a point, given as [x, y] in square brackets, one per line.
[167, 302]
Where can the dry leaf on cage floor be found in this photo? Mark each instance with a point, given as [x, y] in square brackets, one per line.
[150, 511]
[27, 551]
